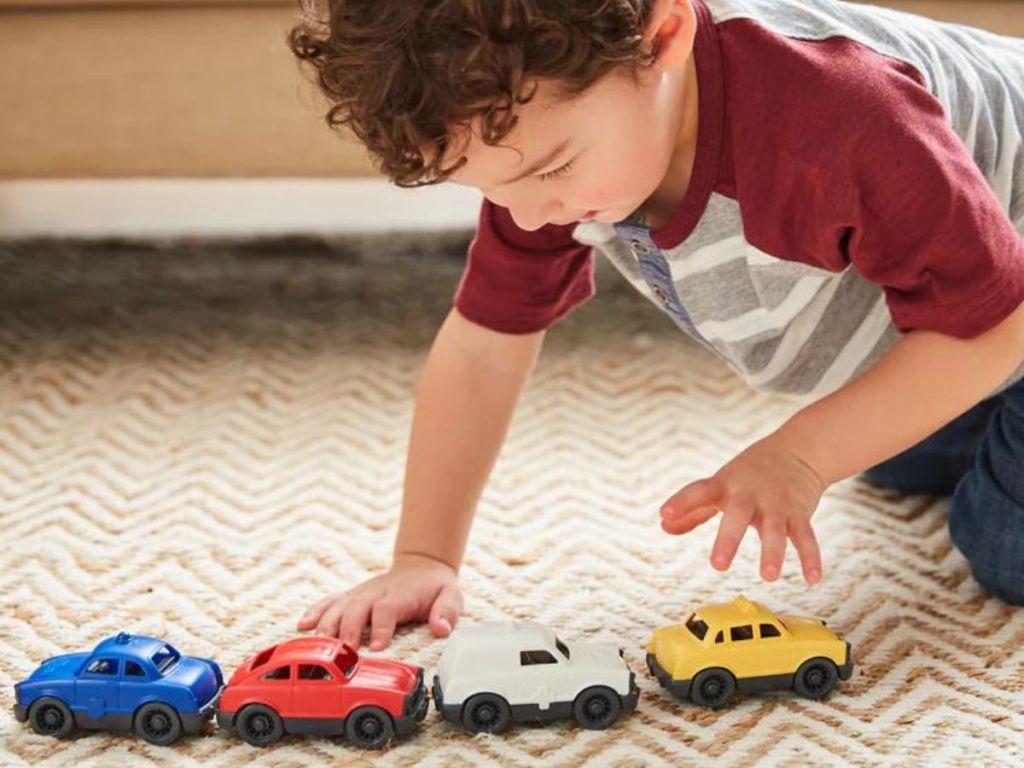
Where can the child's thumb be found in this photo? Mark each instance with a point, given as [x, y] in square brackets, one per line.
[445, 611]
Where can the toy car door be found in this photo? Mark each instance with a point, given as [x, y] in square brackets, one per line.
[96, 687]
[133, 686]
[275, 687]
[778, 656]
[538, 680]
[317, 692]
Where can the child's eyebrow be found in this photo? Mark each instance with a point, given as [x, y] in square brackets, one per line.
[538, 164]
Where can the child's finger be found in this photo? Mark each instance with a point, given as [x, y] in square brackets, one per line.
[735, 519]
[445, 611]
[355, 619]
[773, 546]
[383, 620]
[329, 620]
[806, 543]
[312, 616]
[686, 523]
[696, 495]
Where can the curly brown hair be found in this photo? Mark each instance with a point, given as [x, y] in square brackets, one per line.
[403, 75]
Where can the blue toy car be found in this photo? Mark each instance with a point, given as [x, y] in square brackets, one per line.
[129, 683]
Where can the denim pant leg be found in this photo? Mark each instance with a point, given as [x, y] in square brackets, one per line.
[986, 516]
[935, 465]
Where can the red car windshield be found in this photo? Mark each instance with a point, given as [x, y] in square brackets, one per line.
[346, 660]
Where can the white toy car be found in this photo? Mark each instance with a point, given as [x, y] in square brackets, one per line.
[492, 675]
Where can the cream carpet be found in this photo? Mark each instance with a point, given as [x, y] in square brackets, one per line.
[198, 440]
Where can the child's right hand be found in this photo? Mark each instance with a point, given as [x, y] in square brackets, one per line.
[416, 588]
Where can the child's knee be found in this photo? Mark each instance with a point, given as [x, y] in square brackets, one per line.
[988, 529]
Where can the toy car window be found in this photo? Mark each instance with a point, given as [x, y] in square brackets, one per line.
[281, 673]
[769, 630]
[745, 632]
[165, 658]
[102, 667]
[529, 658]
[562, 649]
[133, 669]
[313, 672]
[697, 626]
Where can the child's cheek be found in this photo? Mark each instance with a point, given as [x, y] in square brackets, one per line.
[608, 194]
[598, 195]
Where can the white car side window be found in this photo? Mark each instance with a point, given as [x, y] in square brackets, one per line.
[529, 658]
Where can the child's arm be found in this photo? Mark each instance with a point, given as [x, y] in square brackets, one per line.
[925, 380]
[469, 388]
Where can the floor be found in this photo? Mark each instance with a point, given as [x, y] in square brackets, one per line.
[198, 439]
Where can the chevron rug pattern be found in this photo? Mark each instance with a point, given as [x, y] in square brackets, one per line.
[199, 439]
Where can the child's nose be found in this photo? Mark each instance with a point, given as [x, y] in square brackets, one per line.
[532, 215]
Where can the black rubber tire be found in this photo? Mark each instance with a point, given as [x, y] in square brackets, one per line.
[597, 708]
[713, 688]
[486, 713]
[51, 717]
[816, 678]
[369, 728]
[158, 724]
[259, 725]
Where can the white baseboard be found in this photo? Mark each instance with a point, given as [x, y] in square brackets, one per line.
[92, 208]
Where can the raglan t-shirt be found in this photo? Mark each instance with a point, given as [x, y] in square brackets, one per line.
[859, 174]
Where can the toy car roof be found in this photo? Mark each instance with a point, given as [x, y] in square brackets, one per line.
[309, 648]
[131, 646]
[739, 611]
[520, 634]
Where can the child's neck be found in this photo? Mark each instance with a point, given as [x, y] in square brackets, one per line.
[659, 208]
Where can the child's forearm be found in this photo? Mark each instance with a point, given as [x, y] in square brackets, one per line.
[924, 381]
[467, 394]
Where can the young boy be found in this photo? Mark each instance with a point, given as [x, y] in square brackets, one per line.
[828, 196]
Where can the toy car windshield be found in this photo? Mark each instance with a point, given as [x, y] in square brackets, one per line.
[562, 648]
[165, 658]
[697, 626]
[346, 660]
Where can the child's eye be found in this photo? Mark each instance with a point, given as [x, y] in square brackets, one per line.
[557, 172]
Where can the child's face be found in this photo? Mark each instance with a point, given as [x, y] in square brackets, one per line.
[597, 156]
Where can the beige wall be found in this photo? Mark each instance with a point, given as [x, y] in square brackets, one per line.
[112, 88]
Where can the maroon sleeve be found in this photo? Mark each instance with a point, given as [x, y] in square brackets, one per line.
[520, 282]
[866, 170]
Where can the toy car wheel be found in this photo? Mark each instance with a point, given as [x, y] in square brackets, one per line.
[158, 724]
[816, 678]
[51, 717]
[597, 708]
[713, 688]
[486, 713]
[369, 728]
[259, 725]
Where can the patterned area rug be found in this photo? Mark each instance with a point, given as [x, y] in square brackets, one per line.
[197, 440]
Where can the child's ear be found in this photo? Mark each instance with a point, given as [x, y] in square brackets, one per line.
[671, 27]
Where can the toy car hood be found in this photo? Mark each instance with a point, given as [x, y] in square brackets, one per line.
[804, 628]
[59, 667]
[377, 673]
[595, 656]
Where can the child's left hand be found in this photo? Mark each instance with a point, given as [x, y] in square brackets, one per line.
[767, 486]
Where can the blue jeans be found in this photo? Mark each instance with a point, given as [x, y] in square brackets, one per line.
[979, 459]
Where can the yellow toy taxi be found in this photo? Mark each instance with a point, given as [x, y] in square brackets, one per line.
[743, 646]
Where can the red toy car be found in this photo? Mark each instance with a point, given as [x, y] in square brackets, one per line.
[319, 685]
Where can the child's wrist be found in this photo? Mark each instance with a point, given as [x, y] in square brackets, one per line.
[418, 557]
